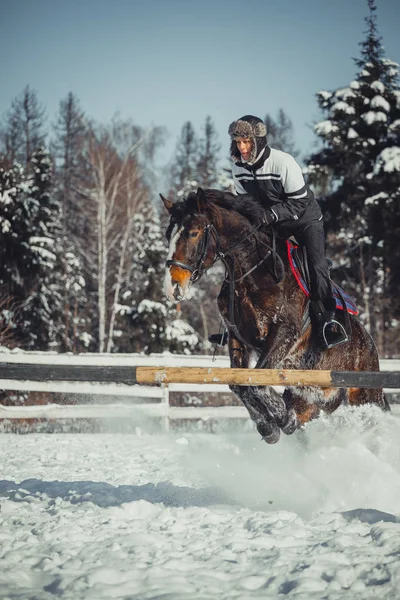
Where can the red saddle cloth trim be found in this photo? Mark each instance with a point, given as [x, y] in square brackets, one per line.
[351, 308]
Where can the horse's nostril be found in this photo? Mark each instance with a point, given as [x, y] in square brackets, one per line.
[178, 294]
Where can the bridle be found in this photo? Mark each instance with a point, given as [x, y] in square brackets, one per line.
[198, 270]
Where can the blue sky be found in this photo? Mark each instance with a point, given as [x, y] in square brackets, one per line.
[164, 62]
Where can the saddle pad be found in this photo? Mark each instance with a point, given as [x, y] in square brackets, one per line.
[337, 291]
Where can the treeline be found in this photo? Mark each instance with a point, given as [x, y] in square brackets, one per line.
[82, 250]
[356, 174]
[82, 239]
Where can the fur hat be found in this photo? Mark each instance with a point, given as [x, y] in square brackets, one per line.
[248, 127]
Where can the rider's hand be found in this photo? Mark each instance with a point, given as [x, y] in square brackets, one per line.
[269, 217]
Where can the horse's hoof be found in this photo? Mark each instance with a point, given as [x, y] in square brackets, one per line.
[269, 432]
[291, 424]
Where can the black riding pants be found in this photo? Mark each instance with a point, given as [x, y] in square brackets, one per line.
[311, 235]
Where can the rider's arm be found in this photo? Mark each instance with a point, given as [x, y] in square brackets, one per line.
[298, 194]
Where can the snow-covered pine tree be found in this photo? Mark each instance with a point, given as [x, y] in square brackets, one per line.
[10, 279]
[68, 143]
[20, 262]
[153, 325]
[359, 164]
[43, 308]
[196, 164]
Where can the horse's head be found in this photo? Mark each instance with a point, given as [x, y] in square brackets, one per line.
[191, 249]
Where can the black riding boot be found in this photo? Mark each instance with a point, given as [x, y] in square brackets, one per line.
[221, 339]
[328, 330]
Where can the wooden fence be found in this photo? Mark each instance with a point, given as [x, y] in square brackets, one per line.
[117, 375]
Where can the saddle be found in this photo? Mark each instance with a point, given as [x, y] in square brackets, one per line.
[298, 263]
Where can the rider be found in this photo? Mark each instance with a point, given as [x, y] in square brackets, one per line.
[275, 179]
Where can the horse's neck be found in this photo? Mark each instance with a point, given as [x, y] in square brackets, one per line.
[253, 247]
[232, 231]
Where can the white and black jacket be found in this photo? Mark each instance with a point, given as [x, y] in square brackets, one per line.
[276, 181]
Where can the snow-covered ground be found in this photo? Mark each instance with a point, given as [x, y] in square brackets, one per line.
[204, 516]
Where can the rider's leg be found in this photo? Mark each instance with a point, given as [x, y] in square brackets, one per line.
[323, 304]
[312, 237]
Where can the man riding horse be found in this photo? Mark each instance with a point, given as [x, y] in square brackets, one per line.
[275, 180]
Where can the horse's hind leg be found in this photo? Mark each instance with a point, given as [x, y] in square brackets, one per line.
[304, 410]
[360, 396]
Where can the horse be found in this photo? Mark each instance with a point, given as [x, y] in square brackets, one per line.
[262, 308]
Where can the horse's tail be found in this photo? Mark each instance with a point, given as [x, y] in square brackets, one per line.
[386, 405]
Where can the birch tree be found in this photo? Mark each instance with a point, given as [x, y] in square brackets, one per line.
[113, 196]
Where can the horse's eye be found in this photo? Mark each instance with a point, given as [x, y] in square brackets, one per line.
[193, 234]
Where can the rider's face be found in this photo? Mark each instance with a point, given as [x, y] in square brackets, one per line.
[244, 145]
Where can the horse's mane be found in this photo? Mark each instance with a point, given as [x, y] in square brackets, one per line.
[243, 204]
[216, 200]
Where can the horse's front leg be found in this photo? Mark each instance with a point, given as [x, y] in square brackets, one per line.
[277, 345]
[264, 421]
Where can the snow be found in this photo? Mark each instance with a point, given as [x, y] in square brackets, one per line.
[5, 225]
[325, 95]
[380, 102]
[178, 329]
[344, 107]
[202, 516]
[352, 133]
[388, 160]
[345, 93]
[395, 125]
[373, 116]
[378, 86]
[325, 127]
[397, 96]
[375, 199]
[7, 196]
[151, 306]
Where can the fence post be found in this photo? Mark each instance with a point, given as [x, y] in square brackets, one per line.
[165, 402]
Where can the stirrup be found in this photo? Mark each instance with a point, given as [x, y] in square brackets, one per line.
[335, 337]
[221, 339]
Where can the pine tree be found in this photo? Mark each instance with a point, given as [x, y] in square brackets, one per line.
[360, 165]
[68, 147]
[197, 165]
[19, 264]
[42, 309]
[207, 163]
[147, 321]
[10, 278]
[23, 128]
[184, 174]
[280, 133]
[149, 311]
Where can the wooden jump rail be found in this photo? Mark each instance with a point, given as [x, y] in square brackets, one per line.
[131, 375]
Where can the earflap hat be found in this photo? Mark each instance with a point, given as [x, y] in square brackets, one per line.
[248, 127]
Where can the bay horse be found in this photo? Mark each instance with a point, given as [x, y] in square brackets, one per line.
[262, 307]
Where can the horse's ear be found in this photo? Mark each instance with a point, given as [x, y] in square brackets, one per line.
[201, 200]
[167, 203]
